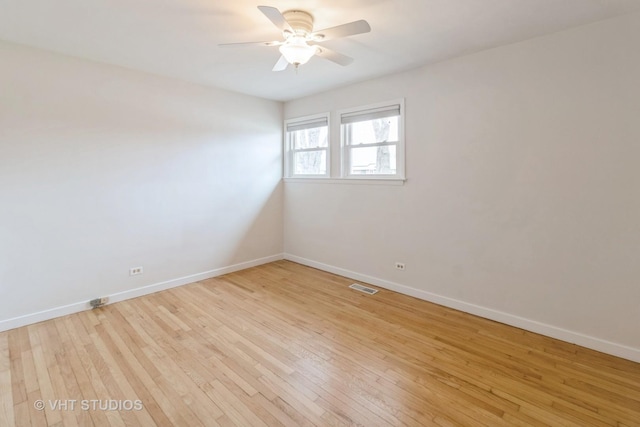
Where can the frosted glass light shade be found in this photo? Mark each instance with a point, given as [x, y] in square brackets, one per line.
[296, 51]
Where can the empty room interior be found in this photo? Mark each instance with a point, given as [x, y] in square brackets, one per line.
[326, 213]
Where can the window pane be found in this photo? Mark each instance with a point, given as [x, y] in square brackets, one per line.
[310, 163]
[373, 160]
[310, 138]
[372, 131]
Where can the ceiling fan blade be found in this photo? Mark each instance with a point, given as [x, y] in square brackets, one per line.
[281, 65]
[273, 43]
[333, 56]
[276, 17]
[344, 30]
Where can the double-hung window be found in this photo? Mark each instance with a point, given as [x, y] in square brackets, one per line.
[373, 141]
[307, 146]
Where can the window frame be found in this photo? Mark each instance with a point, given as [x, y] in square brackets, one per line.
[345, 149]
[290, 151]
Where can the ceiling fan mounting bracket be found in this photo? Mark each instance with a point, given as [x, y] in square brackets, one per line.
[300, 21]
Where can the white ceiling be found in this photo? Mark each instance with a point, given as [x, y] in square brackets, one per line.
[179, 38]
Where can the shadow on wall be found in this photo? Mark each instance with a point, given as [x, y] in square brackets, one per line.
[264, 233]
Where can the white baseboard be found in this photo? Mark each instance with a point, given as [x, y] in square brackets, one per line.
[52, 313]
[587, 341]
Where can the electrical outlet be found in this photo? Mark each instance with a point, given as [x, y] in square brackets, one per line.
[134, 271]
[399, 265]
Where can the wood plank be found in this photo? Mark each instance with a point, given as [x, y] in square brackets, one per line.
[7, 414]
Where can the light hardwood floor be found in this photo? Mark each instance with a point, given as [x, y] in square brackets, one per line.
[283, 344]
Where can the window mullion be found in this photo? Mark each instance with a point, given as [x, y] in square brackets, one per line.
[303, 150]
[374, 144]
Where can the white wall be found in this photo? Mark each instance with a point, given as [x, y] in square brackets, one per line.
[103, 169]
[523, 196]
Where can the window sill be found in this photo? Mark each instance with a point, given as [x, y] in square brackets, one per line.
[355, 181]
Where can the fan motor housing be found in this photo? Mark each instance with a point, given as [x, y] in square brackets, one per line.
[300, 21]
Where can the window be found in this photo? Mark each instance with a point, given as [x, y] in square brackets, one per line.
[307, 146]
[373, 141]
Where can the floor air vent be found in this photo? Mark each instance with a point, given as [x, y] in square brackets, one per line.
[364, 289]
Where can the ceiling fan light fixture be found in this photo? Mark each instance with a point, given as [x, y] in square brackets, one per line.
[297, 30]
[296, 51]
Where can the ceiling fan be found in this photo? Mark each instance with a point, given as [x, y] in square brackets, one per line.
[300, 41]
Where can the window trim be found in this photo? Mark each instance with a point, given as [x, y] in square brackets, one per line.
[289, 166]
[372, 109]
